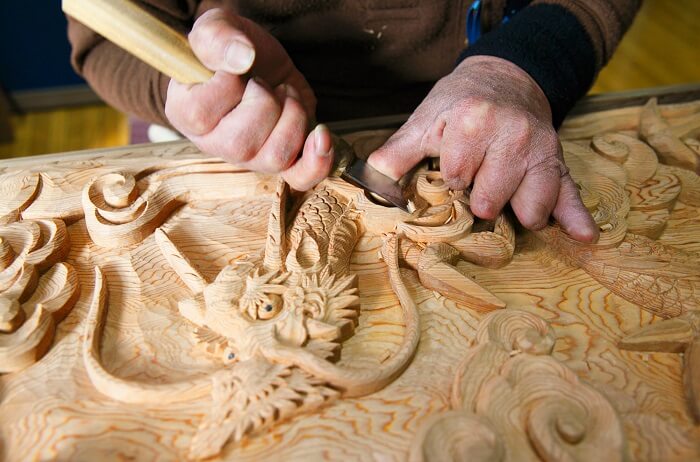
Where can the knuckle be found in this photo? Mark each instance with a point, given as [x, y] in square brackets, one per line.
[198, 120]
[519, 129]
[208, 30]
[236, 152]
[276, 162]
[548, 168]
[472, 103]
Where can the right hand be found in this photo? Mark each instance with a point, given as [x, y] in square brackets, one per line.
[258, 123]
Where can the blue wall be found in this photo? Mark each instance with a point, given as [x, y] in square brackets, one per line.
[34, 50]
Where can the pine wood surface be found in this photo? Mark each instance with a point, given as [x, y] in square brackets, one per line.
[156, 304]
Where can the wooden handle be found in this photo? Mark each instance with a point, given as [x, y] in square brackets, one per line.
[141, 34]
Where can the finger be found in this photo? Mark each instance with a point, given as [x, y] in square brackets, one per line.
[572, 215]
[243, 131]
[401, 152]
[537, 194]
[286, 140]
[315, 163]
[466, 137]
[197, 109]
[500, 173]
[219, 40]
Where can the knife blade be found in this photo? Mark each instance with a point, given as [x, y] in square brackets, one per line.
[358, 172]
[154, 42]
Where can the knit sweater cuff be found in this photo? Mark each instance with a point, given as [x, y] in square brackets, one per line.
[549, 43]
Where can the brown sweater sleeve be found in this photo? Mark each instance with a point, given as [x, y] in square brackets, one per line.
[562, 44]
[605, 22]
[121, 79]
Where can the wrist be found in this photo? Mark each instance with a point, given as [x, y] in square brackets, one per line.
[552, 46]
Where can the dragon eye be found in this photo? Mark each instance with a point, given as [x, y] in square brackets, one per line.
[271, 308]
[228, 355]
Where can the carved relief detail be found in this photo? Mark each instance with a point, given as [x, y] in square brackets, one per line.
[278, 331]
[668, 141]
[18, 190]
[512, 401]
[659, 278]
[678, 335]
[122, 210]
[440, 233]
[32, 306]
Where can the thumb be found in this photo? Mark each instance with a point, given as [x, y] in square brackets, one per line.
[400, 153]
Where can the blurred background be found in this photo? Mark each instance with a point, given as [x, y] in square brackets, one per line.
[46, 108]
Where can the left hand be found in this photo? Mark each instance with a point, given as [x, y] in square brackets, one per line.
[490, 124]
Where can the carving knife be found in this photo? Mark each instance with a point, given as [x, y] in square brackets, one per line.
[149, 39]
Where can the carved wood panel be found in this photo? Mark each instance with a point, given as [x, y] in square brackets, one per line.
[159, 305]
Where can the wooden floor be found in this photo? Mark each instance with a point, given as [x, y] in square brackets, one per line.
[66, 130]
[661, 48]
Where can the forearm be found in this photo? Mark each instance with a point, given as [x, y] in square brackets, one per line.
[562, 44]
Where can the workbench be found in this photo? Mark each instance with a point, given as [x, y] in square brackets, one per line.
[159, 304]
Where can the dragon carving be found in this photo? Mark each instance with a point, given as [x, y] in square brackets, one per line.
[277, 324]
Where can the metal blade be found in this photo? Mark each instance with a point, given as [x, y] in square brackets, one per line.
[361, 174]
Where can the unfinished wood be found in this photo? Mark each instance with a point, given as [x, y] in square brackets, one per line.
[160, 305]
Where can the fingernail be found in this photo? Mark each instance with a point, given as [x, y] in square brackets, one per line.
[322, 139]
[239, 56]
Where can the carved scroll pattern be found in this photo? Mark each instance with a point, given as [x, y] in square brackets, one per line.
[440, 234]
[31, 305]
[511, 400]
[121, 210]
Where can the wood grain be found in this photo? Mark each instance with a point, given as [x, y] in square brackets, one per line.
[218, 315]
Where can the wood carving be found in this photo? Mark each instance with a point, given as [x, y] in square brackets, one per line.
[156, 304]
[511, 400]
[518, 403]
[18, 192]
[667, 141]
[279, 332]
[30, 307]
[677, 335]
[660, 278]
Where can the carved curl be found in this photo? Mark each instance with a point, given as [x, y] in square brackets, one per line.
[541, 409]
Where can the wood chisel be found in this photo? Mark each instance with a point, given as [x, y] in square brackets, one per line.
[154, 42]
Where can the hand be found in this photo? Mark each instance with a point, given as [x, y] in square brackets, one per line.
[490, 124]
[259, 123]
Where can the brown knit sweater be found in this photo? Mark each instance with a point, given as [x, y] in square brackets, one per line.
[374, 57]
